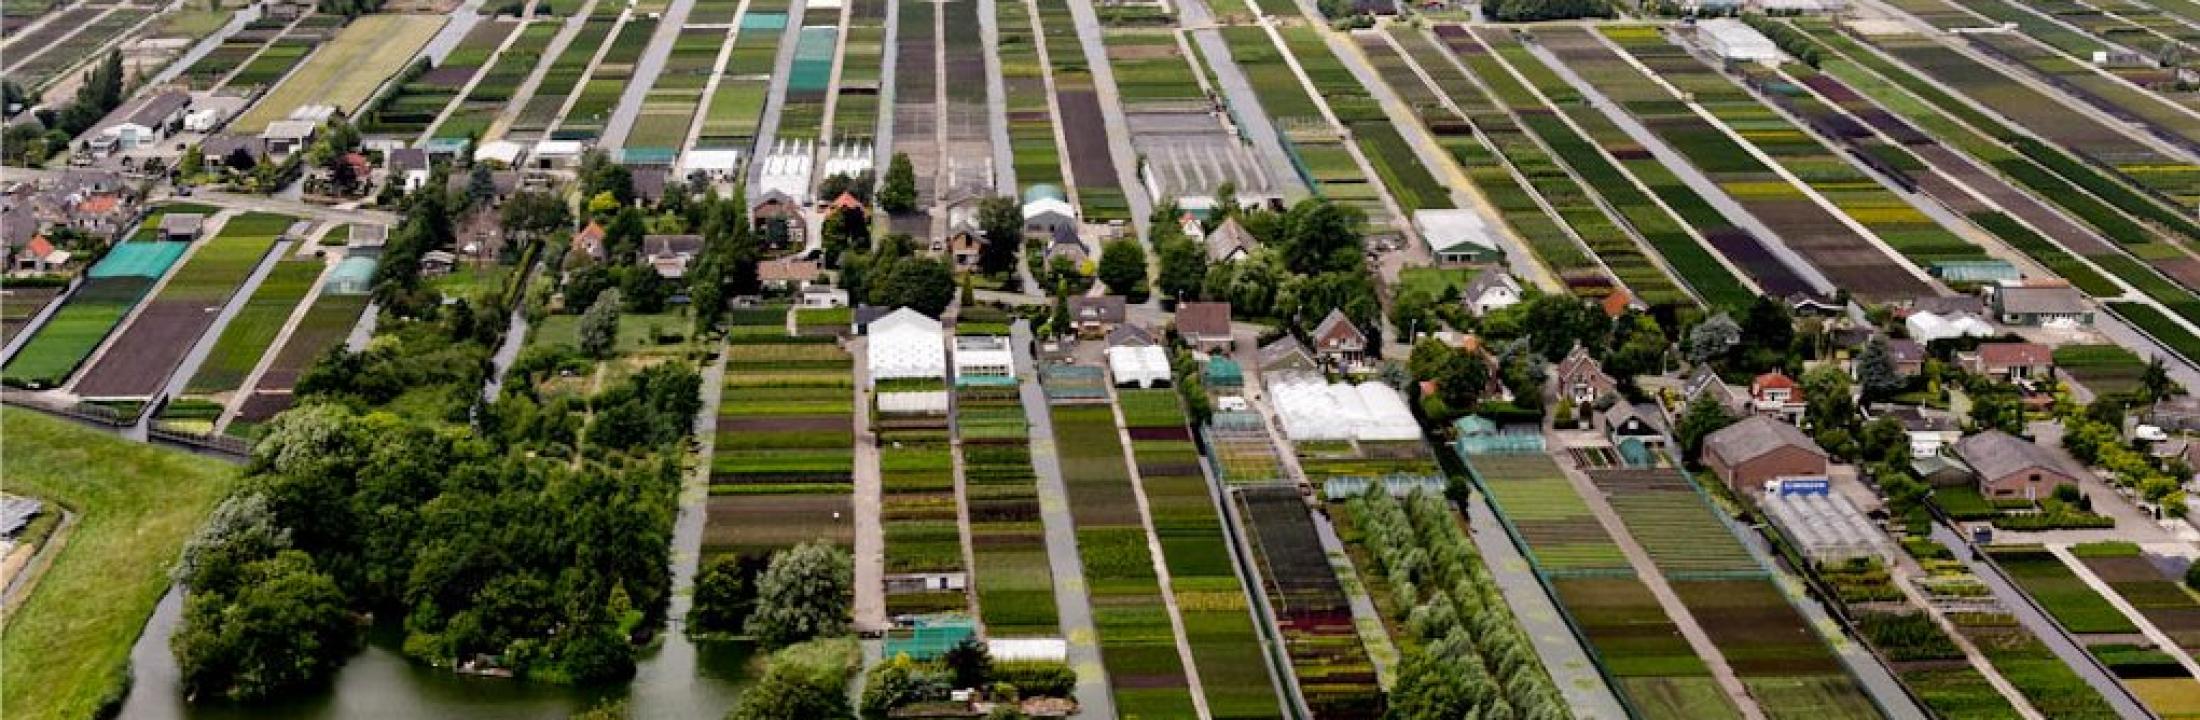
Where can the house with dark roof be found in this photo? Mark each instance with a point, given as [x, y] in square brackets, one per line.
[1230, 242]
[786, 273]
[2010, 361]
[1063, 242]
[2175, 413]
[1706, 381]
[1627, 422]
[1339, 342]
[1578, 378]
[2032, 305]
[1746, 454]
[1948, 305]
[2012, 467]
[1286, 355]
[140, 122]
[1205, 326]
[1929, 430]
[1131, 334]
[1908, 356]
[1096, 315]
[670, 255]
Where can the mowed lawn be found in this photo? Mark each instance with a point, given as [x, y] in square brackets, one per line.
[345, 71]
[68, 646]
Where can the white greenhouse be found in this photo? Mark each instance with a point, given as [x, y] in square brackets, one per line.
[1145, 366]
[1313, 409]
[906, 344]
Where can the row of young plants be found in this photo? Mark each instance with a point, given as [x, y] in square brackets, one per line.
[1611, 236]
[668, 107]
[1330, 664]
[919, 505]
[734, 112]
[1395, 164]
[326, 322]
[52, 60]
[2062, 57]
[233, 52]
[1010, 569]
[1320, 155]
[479, 109]
[2133, 574]
[1100, 193]
[1847, 257]
[1032, 150]
[862, 59]
[414, 102]
[112, 287]
[1137, 642]
[783, 459]
[600, 94]
[2044, 681]
[1218, 624]
[1639, 647]
[566, 72]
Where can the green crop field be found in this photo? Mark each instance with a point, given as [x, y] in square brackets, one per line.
[253, 330]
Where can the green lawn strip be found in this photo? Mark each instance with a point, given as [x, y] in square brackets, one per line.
[2069, 599]
[249, 335]
[2160, 326]
[66, 650]
[1136, 640]
[1217, 622]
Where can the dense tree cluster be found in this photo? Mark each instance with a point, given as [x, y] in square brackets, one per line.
[1311, 260]
[803, 681]
[1472, 659]
[898, 192]
[895, 274]
[1535, 10]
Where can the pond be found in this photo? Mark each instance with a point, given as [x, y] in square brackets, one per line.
[677, 679]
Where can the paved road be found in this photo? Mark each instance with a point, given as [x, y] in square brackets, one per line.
[1571, 668]
[1004, 158]
[1070, 601]
[646, 70]
[2029, 614]
[1687, 172]
[870, 532]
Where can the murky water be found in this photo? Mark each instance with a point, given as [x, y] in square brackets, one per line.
[679, 679]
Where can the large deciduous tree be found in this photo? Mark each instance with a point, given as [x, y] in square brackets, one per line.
[803, 594]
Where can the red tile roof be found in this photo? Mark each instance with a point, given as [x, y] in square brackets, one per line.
[2001, 355]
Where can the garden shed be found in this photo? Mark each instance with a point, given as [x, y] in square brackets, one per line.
[906, 344]
[353, 276]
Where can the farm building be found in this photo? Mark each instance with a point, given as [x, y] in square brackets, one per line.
[284, 137]
[2012, 467]
[906, 344]
[1825, 526]
[141, 122]
[1095, 316]
[1047, 212]
[353, 276]
[1734, 41]
[1315, 409]
[1286, 355]
[2039, 305]
[786, 171]
[1457, 236]
[1759, 448]
[983, 360]
[1926, 327]
[1144, 366]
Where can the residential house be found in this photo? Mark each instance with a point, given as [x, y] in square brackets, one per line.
[1706, 381]
[1758, 448]
[182, 227]
[965, 242]
[2012, 467]
[284, 137]
[777, 218]
[1578, 379]
[1339, 342]
[39, 255]
[1131, 334]
[1777, 395]
[1930, 431]
[1491, 289]
[670, 255]
[788, 274]
[2010, 361]
[1047, 212]
[589, 244]
[2033, 305]
[649, 183]
[1626, 422]
[1230, 242]
[1205, 326]
[1286, 355]
[1096, 315]
[1949, 305]
[225, 150]
[502, 183]
[105, 214]
[1065, 243]
[1619, 302]
[1908, 356]
[408, 168]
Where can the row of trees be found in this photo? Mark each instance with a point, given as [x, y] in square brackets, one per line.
[29, 144]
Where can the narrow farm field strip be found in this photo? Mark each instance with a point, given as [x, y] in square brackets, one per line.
[409, 107]
[734, 111]
[147, 352]
[1015, 585]
[346, 70]
[249, 335]
[599, 95]
[1307, 603]
[1136, 640]
[1032, 148]
[784, 456]
[478, 110]
[111, 288]
[564, 75]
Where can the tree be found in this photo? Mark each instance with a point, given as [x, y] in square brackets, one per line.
[1709, 340]
[283, 626]
[481, 186]
[783, 693]
[2192, 576]
[1001, 220]
[924, 284]
[1123, 267]
[804, 593]
[900, 681]
[1827, 398]
[1183, 264]
[1638, 347]
[1768, 332]
[1883, 439]
[1876, 373]
[600, 325]
[1996, 406]
[970, 664]
[243, 529]
[2155, 383]
[898, 193]
[1703, 417]
[724, 597]
[531, 215]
